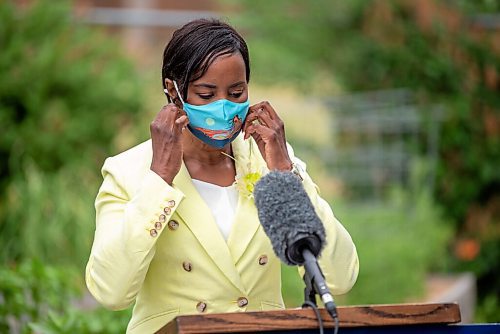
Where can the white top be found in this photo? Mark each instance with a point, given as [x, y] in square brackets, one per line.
[222, 201]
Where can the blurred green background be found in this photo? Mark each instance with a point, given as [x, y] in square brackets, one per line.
[72, 94]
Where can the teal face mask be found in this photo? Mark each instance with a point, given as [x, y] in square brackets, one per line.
[217, 123]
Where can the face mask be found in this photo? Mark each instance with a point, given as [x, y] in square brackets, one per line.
[217, 123]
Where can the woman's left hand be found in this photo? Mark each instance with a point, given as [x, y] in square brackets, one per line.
[268, 130]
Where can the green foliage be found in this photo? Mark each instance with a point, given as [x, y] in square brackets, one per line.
[66, 96]
[30, 290]
[39, 297]
[479, 6]
[49, 215]
[487, 310]
[77, 321]
[66, 92]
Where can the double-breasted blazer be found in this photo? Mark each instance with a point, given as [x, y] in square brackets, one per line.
[159, 246]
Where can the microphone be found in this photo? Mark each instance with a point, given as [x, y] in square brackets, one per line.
[295, 230]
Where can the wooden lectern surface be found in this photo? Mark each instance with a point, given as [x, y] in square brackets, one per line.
[303, 319]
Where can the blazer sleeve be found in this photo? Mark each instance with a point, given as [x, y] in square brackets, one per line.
[339, 258]
[124, 240]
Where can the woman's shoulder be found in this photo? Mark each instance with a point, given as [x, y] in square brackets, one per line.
[141, 150]
[134, 160]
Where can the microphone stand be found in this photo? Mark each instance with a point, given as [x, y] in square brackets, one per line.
[310, 300]
[310, 290]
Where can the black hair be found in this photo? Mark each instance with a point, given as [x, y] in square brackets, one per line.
[195, 46]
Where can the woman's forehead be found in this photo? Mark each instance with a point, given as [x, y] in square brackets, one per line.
[224, 70]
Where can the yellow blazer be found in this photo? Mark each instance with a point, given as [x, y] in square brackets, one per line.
[158, 245]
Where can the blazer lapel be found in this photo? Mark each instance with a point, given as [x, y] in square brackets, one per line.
[246, 223]
[199, 219]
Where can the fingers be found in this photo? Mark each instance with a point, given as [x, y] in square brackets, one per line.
[264, 114]
[166, 138]
[258, 139]
[170, 119]
[170, 113]
[255, 118]
[167, 114]
[182, 122]
[266, 106]
[260, 131]
[268, 130]
[265, 119]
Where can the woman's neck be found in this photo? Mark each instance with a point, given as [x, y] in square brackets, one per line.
[194, 149]
[206, 163]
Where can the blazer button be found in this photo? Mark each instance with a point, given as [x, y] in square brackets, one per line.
[153, 232]
[167, 210]
[242, 302]
[263, 260]
[187, 266]
[201, 307]
[162, 218]
[173, 225]
[171, 203]
[158, 226]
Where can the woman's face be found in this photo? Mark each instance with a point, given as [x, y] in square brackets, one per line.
[225, 78]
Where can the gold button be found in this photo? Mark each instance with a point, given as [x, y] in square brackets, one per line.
[187, 266]
[242, 302]
[167, 210]
[263, 260]
[173, 225]
[162, 218]
[171, 203]
[153, 232]
[201, 307]
[158, 226]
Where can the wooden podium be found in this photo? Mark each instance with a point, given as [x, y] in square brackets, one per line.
[373, 319]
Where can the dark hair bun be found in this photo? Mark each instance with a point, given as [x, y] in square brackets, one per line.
[194, 47]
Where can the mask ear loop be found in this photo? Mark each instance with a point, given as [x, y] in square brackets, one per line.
[177, 90]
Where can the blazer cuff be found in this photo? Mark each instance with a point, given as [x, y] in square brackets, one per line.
[153, 205]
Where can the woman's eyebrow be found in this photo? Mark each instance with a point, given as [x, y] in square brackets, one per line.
[207, 85]
[237, 84]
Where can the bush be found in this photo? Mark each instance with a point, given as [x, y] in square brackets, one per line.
[30, 290]
[65, 94]
[47, 215]
[38, 297]
[76, 321]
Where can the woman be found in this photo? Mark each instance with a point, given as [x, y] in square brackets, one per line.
[177, 230]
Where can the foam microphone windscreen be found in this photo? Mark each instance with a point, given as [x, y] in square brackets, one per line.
[288, 216]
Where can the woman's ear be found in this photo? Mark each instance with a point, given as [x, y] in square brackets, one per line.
[172, 92]
[169, 84]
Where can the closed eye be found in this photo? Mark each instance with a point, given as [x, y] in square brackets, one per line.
[206, 96]
[236, 94]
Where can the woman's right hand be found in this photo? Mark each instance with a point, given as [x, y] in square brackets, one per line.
[166, 135]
